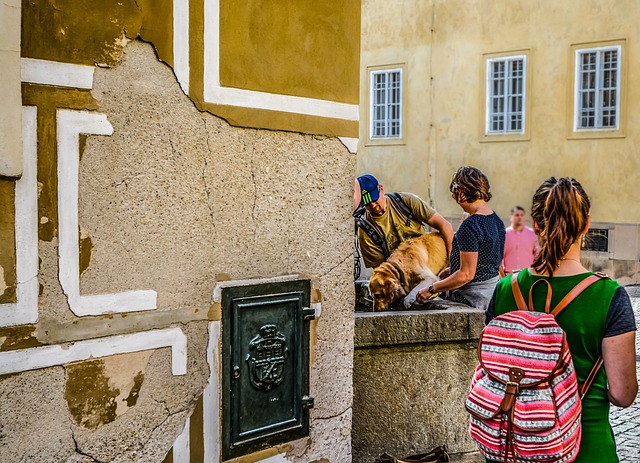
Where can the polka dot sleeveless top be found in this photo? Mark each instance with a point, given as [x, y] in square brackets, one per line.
[485, 235]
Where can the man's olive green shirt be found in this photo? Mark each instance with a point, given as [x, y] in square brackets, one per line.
[392, 225]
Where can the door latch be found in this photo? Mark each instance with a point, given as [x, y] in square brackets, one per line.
[307, 402]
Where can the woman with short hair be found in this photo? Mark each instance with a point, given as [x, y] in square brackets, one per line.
[478, 245]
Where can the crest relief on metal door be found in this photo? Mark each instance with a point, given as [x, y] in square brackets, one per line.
[268, 352]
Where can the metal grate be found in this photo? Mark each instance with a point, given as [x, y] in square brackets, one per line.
[386, 104]
[596, 239]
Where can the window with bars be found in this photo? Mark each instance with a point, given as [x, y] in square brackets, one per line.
[597, 99]
[386, 104]
[506, 92]
[596, 239]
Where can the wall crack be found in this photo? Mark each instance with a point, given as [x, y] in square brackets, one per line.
[255, 187]
[80, 452]
[205, 170]
[337, 415]
[349, 257]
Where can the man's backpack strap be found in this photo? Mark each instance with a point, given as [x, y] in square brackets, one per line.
[372, 231]
[397, 200]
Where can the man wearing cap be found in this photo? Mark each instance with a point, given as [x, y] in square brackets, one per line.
[395, 217]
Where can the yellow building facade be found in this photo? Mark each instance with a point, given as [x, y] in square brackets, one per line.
[521, 90]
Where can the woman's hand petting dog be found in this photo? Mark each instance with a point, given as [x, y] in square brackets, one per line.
[423, 295]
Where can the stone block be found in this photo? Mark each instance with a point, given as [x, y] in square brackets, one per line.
[449, 322]
[411, 375]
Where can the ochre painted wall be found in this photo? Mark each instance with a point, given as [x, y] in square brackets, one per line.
[398, 34]
[444, 107]
[304, 48]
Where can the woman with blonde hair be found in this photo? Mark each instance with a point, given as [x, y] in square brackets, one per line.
[599, 322]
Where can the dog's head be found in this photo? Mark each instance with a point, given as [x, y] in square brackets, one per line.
[385, 287]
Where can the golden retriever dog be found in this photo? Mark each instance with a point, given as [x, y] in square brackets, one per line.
[414, 261]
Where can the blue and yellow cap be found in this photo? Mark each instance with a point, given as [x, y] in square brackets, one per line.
[369, 189]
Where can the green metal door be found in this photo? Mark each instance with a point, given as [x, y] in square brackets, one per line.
[265, 358]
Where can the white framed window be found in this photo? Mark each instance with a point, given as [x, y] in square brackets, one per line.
[385, 104]
[597, 88]
[506, 94]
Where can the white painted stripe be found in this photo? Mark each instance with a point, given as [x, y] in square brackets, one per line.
[181, 453]
[70, 125]
[119, 302]
[47, 356]
[25, 309]
[350, 143]
[38, 71]
[181, 42]
[215, 93]
[211, 398]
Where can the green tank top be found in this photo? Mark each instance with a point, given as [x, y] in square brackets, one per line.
[583, 320]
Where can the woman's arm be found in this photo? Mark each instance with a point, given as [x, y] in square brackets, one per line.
[468, 266]
[619, 354]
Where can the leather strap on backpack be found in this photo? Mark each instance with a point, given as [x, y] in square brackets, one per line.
[571, 295]
[584, 387]
[575, 292]
[517, 294]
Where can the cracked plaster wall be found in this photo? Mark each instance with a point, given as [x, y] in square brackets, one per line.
[173, 200]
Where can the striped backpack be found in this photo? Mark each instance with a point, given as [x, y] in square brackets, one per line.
[524, 399]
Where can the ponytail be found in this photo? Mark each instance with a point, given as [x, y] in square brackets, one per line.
[560, 209]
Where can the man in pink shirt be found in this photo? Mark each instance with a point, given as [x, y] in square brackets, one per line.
[520, 246]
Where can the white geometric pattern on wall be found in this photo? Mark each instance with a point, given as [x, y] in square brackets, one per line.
[25, 309]
[34, 358]
[70, 125]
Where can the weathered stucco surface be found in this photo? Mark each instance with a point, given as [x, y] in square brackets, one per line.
[173, 198]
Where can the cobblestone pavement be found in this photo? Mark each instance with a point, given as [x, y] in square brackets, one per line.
[626, 422]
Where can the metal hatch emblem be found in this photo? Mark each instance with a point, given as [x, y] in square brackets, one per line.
[266, 360]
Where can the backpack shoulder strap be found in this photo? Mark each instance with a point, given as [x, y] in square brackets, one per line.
[397, 200]
[571, 295]
[576, 291]
[371, 230]
[517, 294]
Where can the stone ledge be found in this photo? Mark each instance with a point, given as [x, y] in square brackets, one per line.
[449, 322]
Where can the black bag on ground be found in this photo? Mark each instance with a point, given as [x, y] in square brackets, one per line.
[437, 455]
